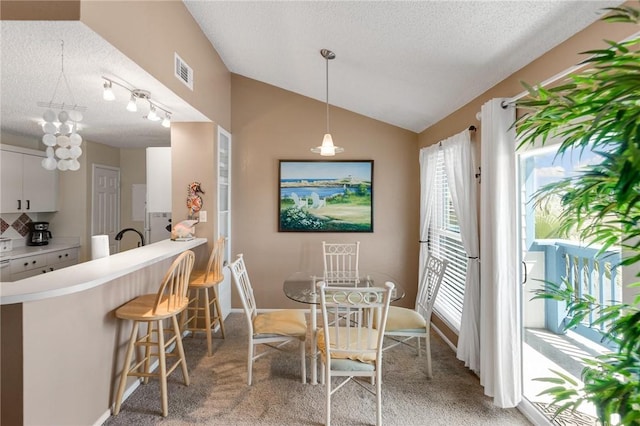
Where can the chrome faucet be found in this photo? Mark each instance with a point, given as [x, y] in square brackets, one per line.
[119, 235]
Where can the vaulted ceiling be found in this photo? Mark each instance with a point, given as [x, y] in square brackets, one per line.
[408, 64]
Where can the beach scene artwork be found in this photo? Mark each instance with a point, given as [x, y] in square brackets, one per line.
[326, 196]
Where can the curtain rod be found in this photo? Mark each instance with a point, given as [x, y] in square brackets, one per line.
[472, 128]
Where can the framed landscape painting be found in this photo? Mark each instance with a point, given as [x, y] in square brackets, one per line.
[325, 196]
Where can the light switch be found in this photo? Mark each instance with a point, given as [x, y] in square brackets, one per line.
[203, 216]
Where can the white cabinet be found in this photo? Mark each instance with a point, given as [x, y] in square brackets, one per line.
[62, 258]
[26, 187]
[29, 266]
[224, 213]
[36, 263]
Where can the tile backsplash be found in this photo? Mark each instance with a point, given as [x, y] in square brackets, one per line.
[16, 225]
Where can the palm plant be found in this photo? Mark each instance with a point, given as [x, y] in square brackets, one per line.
[598, 108]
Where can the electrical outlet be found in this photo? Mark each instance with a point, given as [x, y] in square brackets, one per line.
[203, 216]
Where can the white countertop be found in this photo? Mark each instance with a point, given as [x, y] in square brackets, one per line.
[24, 251]
[90, 274]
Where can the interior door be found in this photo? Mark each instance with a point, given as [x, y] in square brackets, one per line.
[105, 210]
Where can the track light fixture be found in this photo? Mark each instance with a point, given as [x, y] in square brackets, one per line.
[135, 95]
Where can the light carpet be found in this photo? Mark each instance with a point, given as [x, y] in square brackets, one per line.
[219, 395]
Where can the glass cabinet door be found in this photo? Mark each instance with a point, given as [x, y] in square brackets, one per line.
[224, 189]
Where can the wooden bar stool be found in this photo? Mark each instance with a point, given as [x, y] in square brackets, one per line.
[203, 313]
[152, 309]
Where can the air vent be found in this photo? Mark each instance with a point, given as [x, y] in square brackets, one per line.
[183, 72]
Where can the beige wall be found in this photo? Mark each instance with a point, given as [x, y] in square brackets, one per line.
[269, 124]
[40, 10]
[193, 159]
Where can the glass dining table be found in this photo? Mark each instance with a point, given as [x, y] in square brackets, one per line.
[301, 287]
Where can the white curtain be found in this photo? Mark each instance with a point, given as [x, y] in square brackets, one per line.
[428, 161]
[500, 336]
[460, 169]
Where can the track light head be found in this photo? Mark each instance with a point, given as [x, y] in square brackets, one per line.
[108, 94]
[132, 105]
[153, 115]
[166, 122]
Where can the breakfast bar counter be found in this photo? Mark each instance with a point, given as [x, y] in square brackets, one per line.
[62, 346]
[93, 273]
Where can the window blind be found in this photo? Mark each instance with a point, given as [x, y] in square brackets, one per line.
[445, 242]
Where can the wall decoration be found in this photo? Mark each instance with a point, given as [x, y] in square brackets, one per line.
[194, 201]
[325, 196]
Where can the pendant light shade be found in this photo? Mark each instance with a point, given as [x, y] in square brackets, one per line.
[327, 148]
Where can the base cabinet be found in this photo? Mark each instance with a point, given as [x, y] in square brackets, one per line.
[30, 266]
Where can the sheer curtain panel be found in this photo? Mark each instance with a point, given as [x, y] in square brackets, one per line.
[460, 168]
[500, 332]
[428, 160]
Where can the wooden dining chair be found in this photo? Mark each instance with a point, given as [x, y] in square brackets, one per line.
[351, 347]
[272, 329]
[204, 313]
[169, 302]
[404, 324]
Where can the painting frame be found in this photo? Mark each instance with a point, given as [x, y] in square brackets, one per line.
[325, 196]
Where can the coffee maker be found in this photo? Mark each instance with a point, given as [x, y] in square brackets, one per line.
[39, 234]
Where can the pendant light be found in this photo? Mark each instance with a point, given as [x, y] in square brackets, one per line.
[61, 131]
[327, 148]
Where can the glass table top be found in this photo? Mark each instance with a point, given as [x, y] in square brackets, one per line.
[301, 286]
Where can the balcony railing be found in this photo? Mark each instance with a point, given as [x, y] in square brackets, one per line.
[589, 271]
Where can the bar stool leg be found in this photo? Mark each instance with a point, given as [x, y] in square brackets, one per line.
[125, 367]
[196, 314]
[183, 359]
[218, 311]
[207, 319]
[163, 370]
[147, 352]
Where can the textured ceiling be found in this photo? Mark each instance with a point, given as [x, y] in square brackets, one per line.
[404, 63]
[31, 64]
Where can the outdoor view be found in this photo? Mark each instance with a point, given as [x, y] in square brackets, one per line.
[550, 168]
[326, 196]
[558, 257]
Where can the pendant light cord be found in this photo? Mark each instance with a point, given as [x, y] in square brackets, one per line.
[326, 60]
[62, 76]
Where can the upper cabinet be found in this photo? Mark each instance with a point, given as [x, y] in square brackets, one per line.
[26, 187]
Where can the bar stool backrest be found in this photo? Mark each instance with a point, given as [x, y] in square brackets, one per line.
[175, 283]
